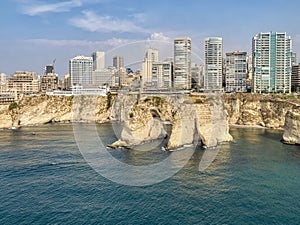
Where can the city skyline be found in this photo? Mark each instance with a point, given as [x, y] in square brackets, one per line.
[36, 32]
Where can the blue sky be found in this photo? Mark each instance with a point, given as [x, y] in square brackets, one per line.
[34, 32]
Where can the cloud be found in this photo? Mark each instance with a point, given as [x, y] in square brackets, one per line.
[159, 37]
[34, 8]
[113, 42]
[141, 17]
[96, 23]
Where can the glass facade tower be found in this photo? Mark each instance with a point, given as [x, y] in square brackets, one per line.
[272, 63]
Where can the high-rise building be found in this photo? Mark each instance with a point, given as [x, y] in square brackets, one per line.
[162, 74]
[98, 60]
[296, 78]
[118, 62]
[120, 76]
[236, 72]
[213, 63]
[151, 57]
[182, 63]
[294, 59]
[249, 72]
[81, 68]
[272, 63]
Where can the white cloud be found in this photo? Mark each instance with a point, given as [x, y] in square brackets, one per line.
[96, 23]
[159, 37]
[141, 17]
[34, 8]
[113, 42]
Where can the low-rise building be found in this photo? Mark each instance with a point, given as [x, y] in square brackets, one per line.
[24, 82]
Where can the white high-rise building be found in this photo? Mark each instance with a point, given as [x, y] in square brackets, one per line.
[81, 69]
[98, 60]
[182, 63]
[151, 57]
[213, 59]
[272, 63]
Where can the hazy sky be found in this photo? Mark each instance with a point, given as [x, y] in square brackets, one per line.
[34, 32]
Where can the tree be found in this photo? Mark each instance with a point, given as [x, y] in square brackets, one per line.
[14, 113]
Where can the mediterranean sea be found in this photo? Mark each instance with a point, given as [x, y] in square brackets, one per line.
[44, 179]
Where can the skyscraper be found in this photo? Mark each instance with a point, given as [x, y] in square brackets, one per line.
[213, 59]
[236, 71]
[272, 63]
[81, 68]
[182, 63]
[118, 62]
[151, 57]
[98, 61]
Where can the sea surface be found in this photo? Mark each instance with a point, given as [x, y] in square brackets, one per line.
[44, 179]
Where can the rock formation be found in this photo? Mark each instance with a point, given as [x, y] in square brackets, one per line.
[140, 121]
[200, 119]
[291, 133]
[195, 119]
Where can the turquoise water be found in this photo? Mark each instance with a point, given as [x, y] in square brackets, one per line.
[45, 180]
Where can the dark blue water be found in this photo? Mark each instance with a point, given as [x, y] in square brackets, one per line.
[45, 180]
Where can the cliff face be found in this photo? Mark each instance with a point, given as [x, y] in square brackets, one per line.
[246, 109]
[41, 109]
[198, 118]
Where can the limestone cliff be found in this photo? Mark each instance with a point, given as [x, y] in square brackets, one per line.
[41, 109]
[196, 118]
[292, 127]
[253, 109]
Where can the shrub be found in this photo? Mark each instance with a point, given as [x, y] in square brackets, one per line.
[13, 105]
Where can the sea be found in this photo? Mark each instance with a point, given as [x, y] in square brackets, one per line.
[45, 179]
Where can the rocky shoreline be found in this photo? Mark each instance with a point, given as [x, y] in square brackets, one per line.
[204, 119]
